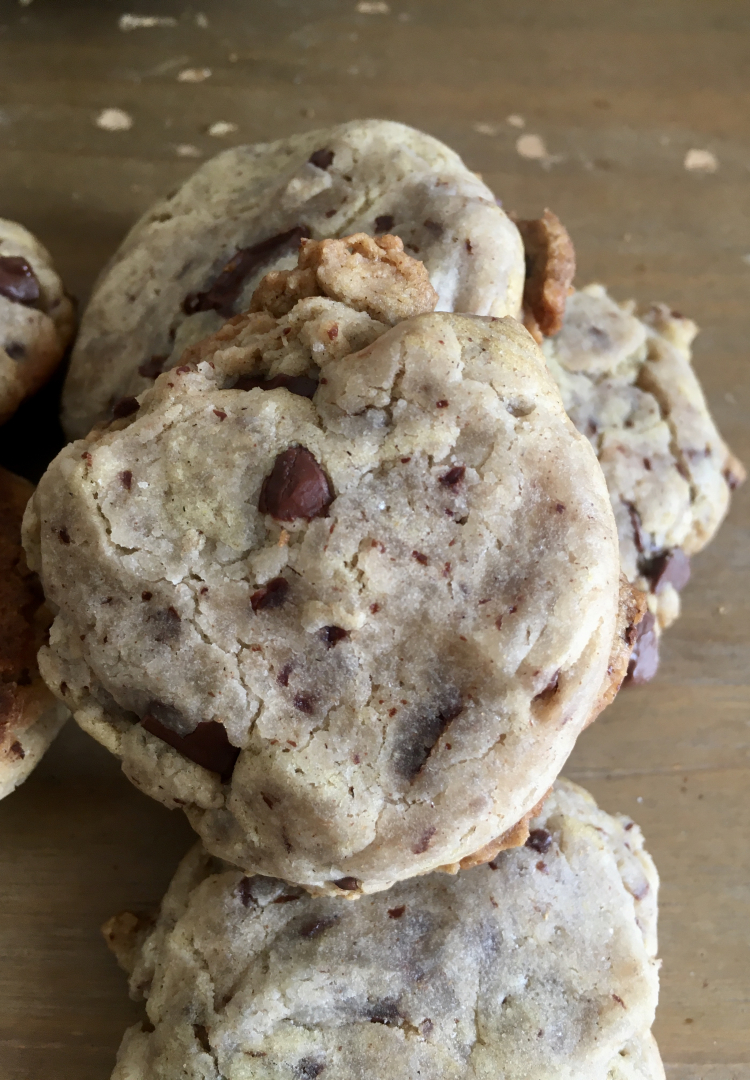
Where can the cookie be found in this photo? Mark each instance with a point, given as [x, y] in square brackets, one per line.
[30, 716]
[627, 384]
[195, 258]
[346, 591]
[540, 964]
[36, 316]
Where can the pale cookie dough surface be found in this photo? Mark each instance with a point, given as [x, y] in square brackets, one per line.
[36, 317]
[628, 385]
[540, 965]
[381, 616]
[30, 716]
[168, 285]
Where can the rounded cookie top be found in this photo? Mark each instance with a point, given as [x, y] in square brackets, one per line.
[194, 259]
[628, 385]
[540, 964]
[30, 716]
[346, 592]
[36, 316]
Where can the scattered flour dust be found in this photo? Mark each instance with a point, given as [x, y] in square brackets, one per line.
[114, 120]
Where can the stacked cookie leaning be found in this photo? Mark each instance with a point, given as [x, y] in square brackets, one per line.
[342, 563]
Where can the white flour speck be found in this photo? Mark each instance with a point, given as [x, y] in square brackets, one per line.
[114, 120]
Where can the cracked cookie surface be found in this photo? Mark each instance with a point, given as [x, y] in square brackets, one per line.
[627, 383]
[36, 316]
[195, 258]
[30, 716]
[346, 592]
[541, 964]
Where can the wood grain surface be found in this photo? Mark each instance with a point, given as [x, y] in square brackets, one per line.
[618, 93]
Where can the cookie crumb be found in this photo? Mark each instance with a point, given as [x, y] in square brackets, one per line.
[114, 120]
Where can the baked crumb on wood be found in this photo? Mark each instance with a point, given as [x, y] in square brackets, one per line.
[550, 269]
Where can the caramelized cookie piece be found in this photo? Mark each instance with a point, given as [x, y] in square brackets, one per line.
[550, 269]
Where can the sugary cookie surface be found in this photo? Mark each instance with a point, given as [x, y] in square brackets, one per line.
[345, 592]
[541, 964]
[628, 385]
[36, 316]
[195, 258]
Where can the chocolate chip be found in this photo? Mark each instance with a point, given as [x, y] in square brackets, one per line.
[347, 884]
[15, 350]
[16, 752]
[424, 841]
[469, 248]
[670, 568]
[224, 292]
[283, 677]
[63, 536]
[126, 479]
[125, 407]
[301, 385]
[154, 366]
[442, 404]
[540, 840]
[318, 926]
[396, 912]
[454, 476]
[296, 487]
[420, 557]
[220, 413]
[384, 223]
[331, 635]
[384, 1012]
[321, 159]
[244, 891]
[304, 702]
[308, 1068]
[17, 280]
[420, 729]
[208, 745]
[271, 595]
[644, 659]
[146, 595]
[434, 227]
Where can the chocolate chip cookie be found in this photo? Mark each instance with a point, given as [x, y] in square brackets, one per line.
[540, 964]
[36, 316]
[345, 590]
[30, 716]
[628, 385]
[195, 258]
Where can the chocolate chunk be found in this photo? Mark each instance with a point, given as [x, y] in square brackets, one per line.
[540, 840]
[644, 659]
[384, 1011]
[63, 536]
[670, 568]
[396, 912]
[283, 677]
[347, 884]
[154, 366]
[454, 476]
[321, 159]
[420, 557]
[15, 350]
[420, 730]
[18, 281]
[208, 745]
[296, 487]
[16, 752]
[331, 635]
[384, 223]
[244, 891]
[126, 479]
[305, 703]
[271, 595]
[224, 292]
[315, 927]
[126, 406]
[434, 227]
[300, 385]
[308, 1068]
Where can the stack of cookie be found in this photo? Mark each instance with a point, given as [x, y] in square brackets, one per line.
[342, 565]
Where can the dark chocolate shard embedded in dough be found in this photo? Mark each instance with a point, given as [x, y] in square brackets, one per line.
[644, 660]
[208, 745]
[454, 476]
[420, 730]
[332, 635]
[18, 282]
[384, 223]
[295, 488]
[670, 568]
[385, 1011]
[314, 927]
[540, 840]
[271, 595]
[224, 292]
[321, 159]
[347, 884]
[301, 385]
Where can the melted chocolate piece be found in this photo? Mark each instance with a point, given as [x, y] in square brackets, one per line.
[208, 745]
[322, 159]
[670, 568]
[296, 487]
[154, 366]
[644, 660]
[540, 840]
[271, 595]
[222, 295]
[126, 406]
[396, 912]
[420, 732]
[454, 476]
[331, 635]
[384, 223]
[347, 884]
[18, 281]
[300, 385]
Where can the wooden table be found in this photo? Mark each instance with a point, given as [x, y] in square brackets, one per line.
[619, 93]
